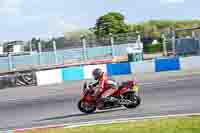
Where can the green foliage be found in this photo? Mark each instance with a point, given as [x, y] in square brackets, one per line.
[149, 48]
[34, 43]
[26, 48]
[60, 42]
[112, 22]
[154, 28]
[76, 35]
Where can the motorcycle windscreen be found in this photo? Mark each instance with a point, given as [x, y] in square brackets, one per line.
[135, 88]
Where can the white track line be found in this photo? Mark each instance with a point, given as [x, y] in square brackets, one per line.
[41, 127]
[91, 123]
[122, 120]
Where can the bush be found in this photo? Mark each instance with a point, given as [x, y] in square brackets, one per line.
[149, 48]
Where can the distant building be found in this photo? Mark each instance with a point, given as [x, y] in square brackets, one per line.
[14, 47]
[1, 49]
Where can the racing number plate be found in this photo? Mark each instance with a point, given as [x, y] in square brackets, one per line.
[136, 88]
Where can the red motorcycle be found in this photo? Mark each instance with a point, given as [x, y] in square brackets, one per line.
[126, 95]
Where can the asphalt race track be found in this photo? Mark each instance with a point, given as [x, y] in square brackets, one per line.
[56, 104]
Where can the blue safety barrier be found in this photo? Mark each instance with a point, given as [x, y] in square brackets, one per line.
[169, 64]
[72, 73]
[118, 69]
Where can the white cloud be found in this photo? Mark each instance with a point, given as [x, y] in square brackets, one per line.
[25, 19]
[172, 1]
[50, 25]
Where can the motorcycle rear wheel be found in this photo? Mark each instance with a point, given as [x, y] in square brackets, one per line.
[136, 100]
[86, 109]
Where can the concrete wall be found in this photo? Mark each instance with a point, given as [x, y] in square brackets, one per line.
[49, 77]
[143, 67]
[72, 73]
[118, 69]
[188, 63]
[85, 72]
[60, 75]
[167, 64]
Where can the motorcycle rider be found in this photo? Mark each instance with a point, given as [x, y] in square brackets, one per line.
[106, 87]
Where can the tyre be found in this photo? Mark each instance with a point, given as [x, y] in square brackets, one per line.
[136, 100]
[85, 108]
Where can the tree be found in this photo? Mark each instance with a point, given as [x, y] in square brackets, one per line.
[112, 22]
[60, 42]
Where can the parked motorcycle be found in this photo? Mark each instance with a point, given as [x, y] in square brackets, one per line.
[125, 95]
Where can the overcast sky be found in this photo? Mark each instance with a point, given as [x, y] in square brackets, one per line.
[24, 19]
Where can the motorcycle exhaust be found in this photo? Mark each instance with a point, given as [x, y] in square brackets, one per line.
[124, 101]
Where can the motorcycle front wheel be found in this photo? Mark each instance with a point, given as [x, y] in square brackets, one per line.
[135, 100]
[85, 108]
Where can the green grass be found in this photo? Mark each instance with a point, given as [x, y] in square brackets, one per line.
[170, 125]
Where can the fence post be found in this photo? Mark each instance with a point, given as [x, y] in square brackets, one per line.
[199, 47]
[83, 40]
[139, 38]
[112, 44]
[139, 42]
[40, 49]
[54, 50]
[193, 34]
[30, 47]
[174, 42]
[164, 45]
[10, 61]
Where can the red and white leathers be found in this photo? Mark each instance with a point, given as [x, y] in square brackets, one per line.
[106, 87]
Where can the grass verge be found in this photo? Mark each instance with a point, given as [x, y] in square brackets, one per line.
[170, 125]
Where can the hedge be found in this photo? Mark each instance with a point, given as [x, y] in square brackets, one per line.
[149, 48]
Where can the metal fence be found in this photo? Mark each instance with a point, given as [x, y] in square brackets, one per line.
[187, 46]
[177, 45]
[84, 49]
